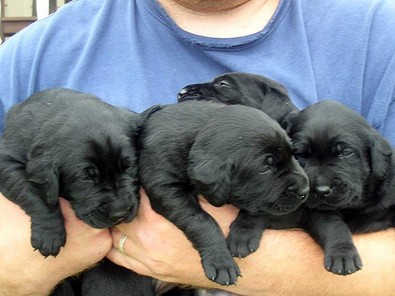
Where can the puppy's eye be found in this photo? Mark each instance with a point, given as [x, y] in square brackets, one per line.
[264, 170]
[125, 164]
[301, 160]
[343, 151]
[346, 152]
[269, 161]
[222, 83]
[300, 157]
[91, 174]
[130, 170]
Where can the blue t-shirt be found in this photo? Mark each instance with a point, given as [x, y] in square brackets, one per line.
[131, 54]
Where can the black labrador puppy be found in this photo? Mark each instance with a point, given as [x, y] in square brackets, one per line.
[351, 169]
[231, 154]
[241, 88]
[61, 142]
[245, 89]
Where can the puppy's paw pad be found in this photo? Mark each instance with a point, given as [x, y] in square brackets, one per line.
[221, 269]
[243, 240]
[343, 260]
[242, 246]
[224, 276]
[48, 243]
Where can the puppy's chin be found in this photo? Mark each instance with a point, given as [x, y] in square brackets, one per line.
[97, 218]
[284, 205]
[342, 202]
[197, 97]
[96, 223]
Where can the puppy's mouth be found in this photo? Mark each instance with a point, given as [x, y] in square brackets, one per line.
[101, 219]
[341, 198]
[282, 206]
[187, 95]
[286, 205]
[349, 202]
[330, 194]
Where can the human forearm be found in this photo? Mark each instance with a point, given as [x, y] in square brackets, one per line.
[287, 263]
[290, 263]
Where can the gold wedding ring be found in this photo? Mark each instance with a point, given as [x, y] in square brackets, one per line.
[121, 244]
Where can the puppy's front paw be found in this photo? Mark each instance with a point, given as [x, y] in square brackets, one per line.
[48, 240]
[342, 259]
[245, 234]
[220, 267]
[243, 241]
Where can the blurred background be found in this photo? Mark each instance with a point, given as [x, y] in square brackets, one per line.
[17, 14]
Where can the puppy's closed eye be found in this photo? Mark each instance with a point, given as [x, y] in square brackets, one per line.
[92, 174]
[302, 153]
[222, 83]
[343, 151]
[267, 165]
[126, 166]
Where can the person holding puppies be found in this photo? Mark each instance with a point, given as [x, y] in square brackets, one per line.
[136, 54]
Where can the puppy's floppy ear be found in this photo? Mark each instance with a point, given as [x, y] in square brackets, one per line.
[137, 121]
[380, 155]
[212, 177]
[143, 116]
[289, 121]
[43, 176]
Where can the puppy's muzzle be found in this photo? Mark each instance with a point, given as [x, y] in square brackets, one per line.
[195, 92]
[334, 195]
[299, 185]
[293, 197]
[118, 216]
[300, 192]
[108, 215]
[188, 93]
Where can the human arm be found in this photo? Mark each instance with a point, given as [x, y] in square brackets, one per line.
[288, 262]
[26, 272]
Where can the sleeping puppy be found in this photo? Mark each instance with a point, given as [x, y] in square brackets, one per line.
[351, 169]
[60, 142]
[231, 155]
[328, 187]
[245, 89]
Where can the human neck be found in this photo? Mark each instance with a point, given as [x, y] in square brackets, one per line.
[222, 18]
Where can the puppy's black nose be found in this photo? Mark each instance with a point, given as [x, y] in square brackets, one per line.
[118, 216]
[189, 92]
[301, 191]
[322, 190]
[182, 93]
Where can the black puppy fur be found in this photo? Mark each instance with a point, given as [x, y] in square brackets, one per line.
[368, 209]
[231, 155]
[168, 142]
[60, 142]
[245, 89]
[108, 279]
[351, 169]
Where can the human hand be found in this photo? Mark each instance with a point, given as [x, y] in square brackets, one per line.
[155, 245]
[285, 261]
[27, 272]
